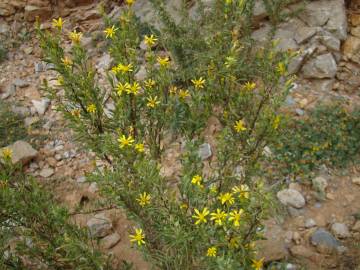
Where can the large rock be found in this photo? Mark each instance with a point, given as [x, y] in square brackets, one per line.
[351, 48]
[291, 197]
[340, 230]
[323, 66]
[41, 105]
[320, 184]
[22, 152]
[330, 14]
[99, 226]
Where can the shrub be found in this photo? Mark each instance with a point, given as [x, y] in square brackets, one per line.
[206, 220]
[35, 232]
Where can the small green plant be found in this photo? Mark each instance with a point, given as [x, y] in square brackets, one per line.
[330, 135]
[36, 233]
[11, 126]
[206, 220]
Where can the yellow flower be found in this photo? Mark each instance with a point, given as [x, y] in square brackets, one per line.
[235, 216]
[199, 83]
[250, 86]
[7, 153]
[243, 191]
[124, 68]
[150, 40]
[91, 108]
[219, 217]
[201, 216]
[139, 147]
[183, 94]
[110, 31]
[76, 112]
[75, 36]
[130, 2]
[60, 80]
[184, 206]
[150, 83]
[58, 23]
[138, 237]
[276, 122]
[239, 126]
[66, 61]
[281, 68]
[152, 102]
[173, 90]
[257, 265]
[213, 189]
[133, 89]
[120, 88]
[125, 141]
[163, 61]
[144, 199]
[196, 180]
[226, 198]
[211, 252]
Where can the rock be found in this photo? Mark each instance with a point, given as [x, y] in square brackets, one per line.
[6, 9]
[291, 197]
[355, 19]
[351, 48]
[22, 152]
[323, 66]
[324, 241]
[356, 227]
[330, 41]
[4, 28]
[10, 91]
[93, 188]
[356, 180]
[309, 223]
[81, 179]
[41, 105]
[20, 83]
[109, 241]
[330, 14]
[303, 251]
[304, 33]
[141, 74]
[104, 62]
[286, 40]
[46, 172]
[31, 12]
[355, 31]
[299, 112]
[205, 151]
[320, 184]
[39, 67]
[340, 230]
[99, 226]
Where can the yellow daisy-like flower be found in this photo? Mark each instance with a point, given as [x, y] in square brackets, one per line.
[140, 147]
[75, 37]
[276, 122]
[57, 23]
[173, 90]
[125, 141]
[183, 94]
[235, 216]
[242, 190]
[124, 68]
[281, 68]
[130, 2]
[144, 199]
[200, 216]
[257, 265]
[219, 217]
[133, 89]
[196, 180]
[91, 108]
[110, 31]
[211, 252]
[250, 86]
[7, 153]
[198, 83]
[66, 61]
[120, 88]
[226, 198]
[138, 237]
[239, 126]
[152, 102]
[150, 40]
[163, 61]
[150, 83]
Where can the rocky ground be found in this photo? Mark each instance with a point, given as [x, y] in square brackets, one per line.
[317, 233]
